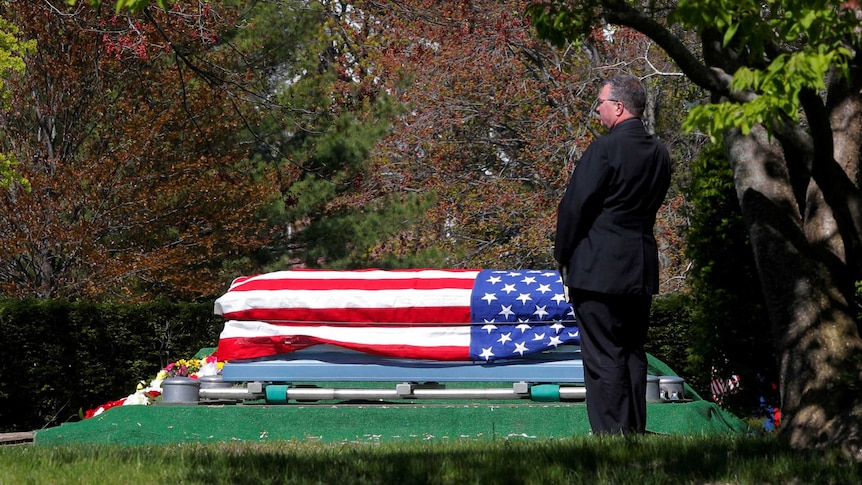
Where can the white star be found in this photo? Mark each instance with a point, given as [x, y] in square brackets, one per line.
[539, 336]
[572, 334]
[523, 327]
[513, 274]
[543, 289]
[486, 353]
[554, 342]
[550, 274]
[540, 311]
[523, 320]
[520, 348]
[524, 298]
[489, 328]
[528, 280]
[494, 280]
[506, 311]
[490, 297]
[559, 298]
[489, 321]
[509, 288]
[505, 337]
[557, 326]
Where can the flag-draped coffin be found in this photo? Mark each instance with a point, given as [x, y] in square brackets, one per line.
[456, 315]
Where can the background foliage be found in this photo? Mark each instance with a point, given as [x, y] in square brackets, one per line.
[60, 358]
[171, 150]
[730, 330]
[140, 182]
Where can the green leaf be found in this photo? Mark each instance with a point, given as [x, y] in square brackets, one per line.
[728, 35]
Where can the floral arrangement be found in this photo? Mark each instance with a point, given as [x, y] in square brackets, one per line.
[194, 368]
[147, 393]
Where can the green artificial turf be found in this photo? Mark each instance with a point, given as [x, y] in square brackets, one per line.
[375, 421]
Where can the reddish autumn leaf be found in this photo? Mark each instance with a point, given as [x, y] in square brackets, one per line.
[494, 123]
[141, 184]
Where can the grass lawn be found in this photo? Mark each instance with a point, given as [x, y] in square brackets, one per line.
[652, 459]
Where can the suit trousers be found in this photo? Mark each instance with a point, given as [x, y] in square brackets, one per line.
[613, 331]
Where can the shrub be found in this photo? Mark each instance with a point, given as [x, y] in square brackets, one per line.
[61, 357]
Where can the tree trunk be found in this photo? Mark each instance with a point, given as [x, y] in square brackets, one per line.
[814, 328]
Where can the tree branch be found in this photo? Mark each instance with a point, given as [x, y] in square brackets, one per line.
[620, 12]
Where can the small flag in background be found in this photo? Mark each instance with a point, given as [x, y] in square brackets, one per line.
[479, 315]
[721, 387]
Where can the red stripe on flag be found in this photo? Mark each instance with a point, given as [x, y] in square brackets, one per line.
[282, 284]
[231, 349]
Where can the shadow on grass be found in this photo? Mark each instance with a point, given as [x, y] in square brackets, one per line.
[643, 460]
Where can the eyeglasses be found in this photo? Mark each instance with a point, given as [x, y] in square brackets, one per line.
[611, 100]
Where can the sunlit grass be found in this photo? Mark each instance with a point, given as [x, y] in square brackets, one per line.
[641, 461]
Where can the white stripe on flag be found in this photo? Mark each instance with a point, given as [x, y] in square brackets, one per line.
[320, 299]
[451, 336]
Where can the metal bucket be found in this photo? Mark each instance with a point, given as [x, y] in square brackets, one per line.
[180, 390]
[214, 382]
[671, 388]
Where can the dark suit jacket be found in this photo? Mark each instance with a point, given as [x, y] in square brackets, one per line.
[605, 220]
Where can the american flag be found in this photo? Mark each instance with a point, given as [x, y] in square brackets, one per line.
[479, 315]
[721, 387]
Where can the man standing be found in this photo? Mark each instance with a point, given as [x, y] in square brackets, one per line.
[606, 250]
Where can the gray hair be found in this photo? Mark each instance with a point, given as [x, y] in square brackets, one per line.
[630, 91]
